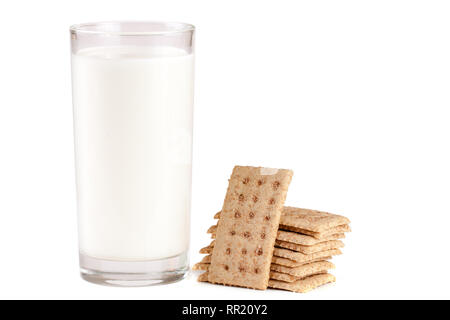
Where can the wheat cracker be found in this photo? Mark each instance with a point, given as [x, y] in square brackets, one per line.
[304, 270]
[301, 257]
[203, 277]
[303, 285]
[318, 235]
[305, 240]
[311, 220]
[274, 275]
[248, 226]
[201, 266]
[212, 229]
[323, 246]
[206, 250]
[206, 259]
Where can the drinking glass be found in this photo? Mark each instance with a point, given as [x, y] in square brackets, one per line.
[132, 88]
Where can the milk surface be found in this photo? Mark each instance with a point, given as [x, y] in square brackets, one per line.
[133, 141]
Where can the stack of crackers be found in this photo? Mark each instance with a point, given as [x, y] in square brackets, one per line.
[259, 243]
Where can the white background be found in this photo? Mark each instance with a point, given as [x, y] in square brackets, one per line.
[352, 95]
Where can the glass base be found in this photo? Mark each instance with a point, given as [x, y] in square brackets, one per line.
[134, 273]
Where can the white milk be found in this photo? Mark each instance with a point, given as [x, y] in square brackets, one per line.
[133, 138]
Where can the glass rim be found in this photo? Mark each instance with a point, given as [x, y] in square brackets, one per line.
[94, 28]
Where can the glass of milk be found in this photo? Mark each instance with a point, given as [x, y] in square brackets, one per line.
[132, 104]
